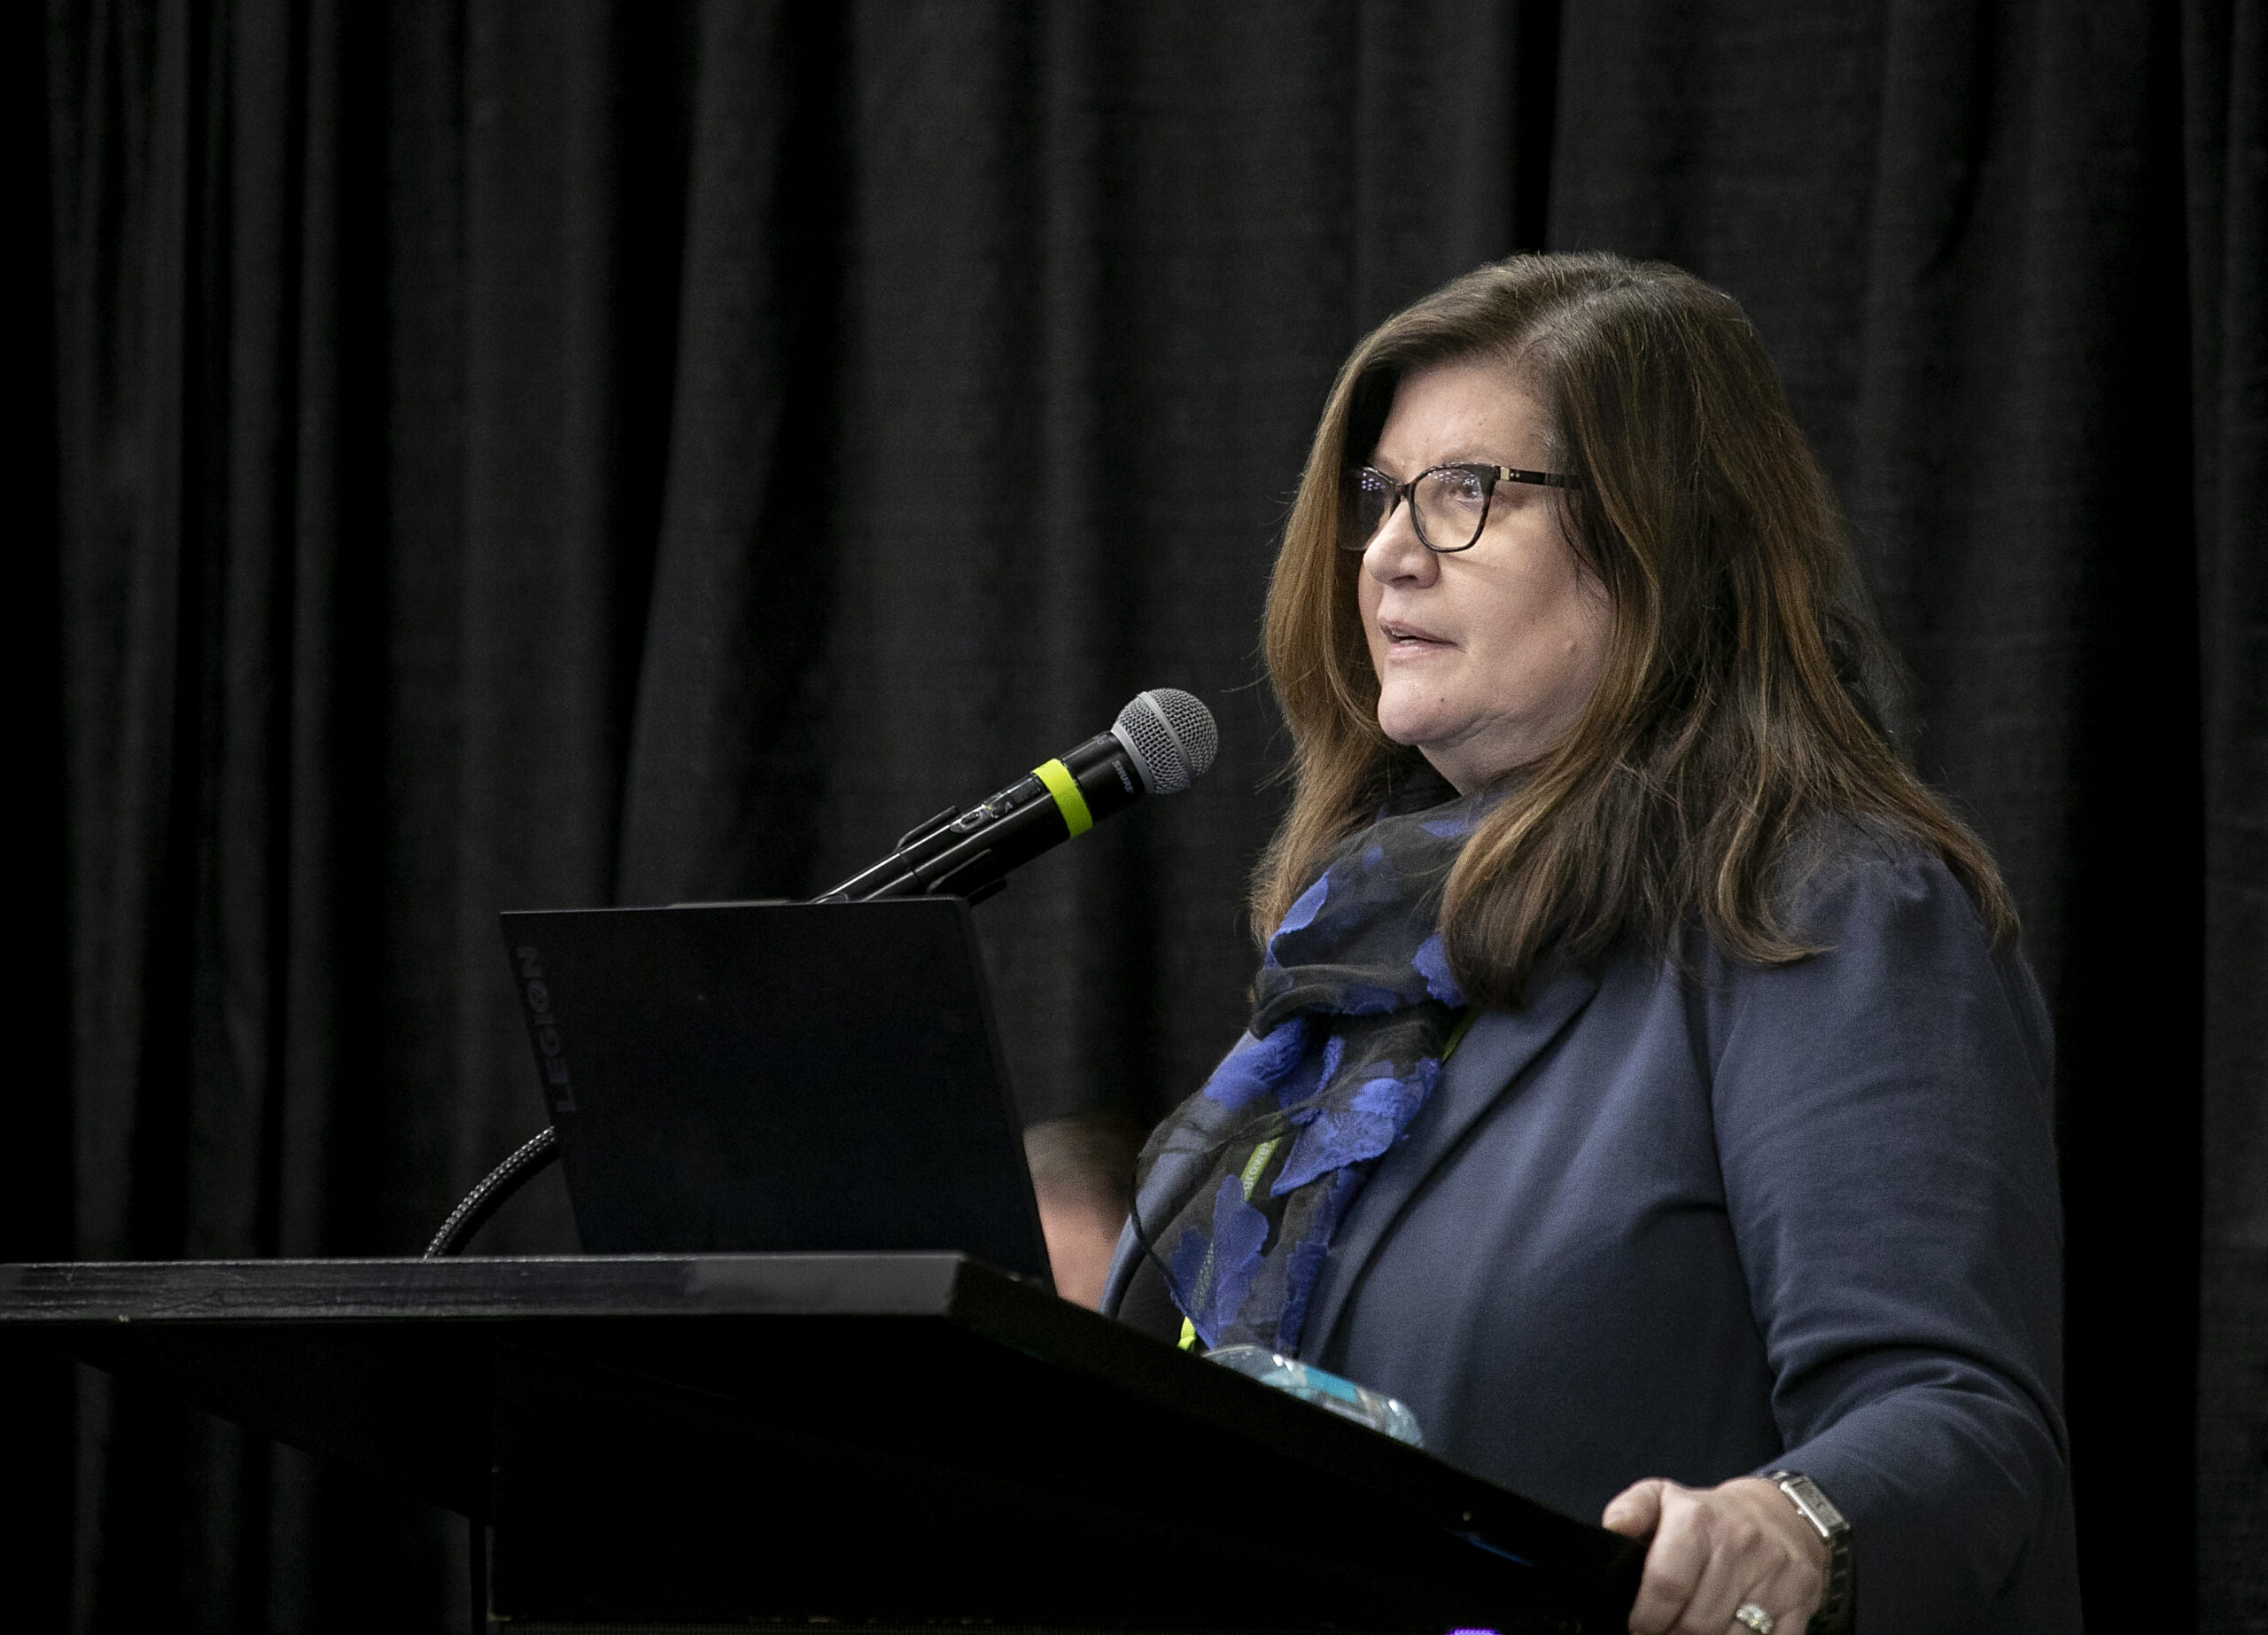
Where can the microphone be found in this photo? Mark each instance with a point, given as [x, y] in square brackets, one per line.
[1160, 742]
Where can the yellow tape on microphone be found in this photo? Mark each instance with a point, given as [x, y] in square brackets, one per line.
[1068, 798]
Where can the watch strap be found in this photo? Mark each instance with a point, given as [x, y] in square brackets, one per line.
[1812, 1503]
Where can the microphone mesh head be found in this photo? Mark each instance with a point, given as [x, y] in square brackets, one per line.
[1171, 736]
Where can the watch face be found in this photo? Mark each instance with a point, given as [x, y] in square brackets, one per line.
[1812, 1504]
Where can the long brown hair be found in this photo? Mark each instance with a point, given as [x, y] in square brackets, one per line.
[1746, 695]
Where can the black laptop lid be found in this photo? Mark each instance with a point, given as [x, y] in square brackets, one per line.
[777, 1076]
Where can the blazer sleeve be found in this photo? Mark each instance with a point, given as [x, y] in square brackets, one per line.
[1882, 1118]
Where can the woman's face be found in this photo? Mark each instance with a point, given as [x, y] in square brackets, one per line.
[1486, 657]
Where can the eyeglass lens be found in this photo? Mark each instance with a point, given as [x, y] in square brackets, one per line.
[1452, 505]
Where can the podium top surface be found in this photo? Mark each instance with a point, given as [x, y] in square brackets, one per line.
[418, 1373]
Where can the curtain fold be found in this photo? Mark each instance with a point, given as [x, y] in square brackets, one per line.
[36, 1439]
[722, 751]
[497, 456]
[2225, 126]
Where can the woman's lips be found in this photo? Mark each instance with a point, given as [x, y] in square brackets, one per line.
[1403, 638]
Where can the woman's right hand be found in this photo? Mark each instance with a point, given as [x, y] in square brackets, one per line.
[1081, 1225]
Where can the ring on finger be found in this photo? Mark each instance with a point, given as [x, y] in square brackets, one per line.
[1754, 1617]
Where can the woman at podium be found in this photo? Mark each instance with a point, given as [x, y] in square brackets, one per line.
[1644, 1084]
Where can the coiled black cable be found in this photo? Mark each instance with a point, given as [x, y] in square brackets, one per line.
[496, 1189]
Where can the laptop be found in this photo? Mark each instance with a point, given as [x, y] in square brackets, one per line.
[792, 1078]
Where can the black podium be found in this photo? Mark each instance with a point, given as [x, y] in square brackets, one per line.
[878, 1441]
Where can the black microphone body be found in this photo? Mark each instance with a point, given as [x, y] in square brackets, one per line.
[1161, 741]
[969, 854]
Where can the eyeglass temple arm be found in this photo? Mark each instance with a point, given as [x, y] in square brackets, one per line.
[1546, 480]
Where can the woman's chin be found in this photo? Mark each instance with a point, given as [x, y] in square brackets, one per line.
[1412, 727]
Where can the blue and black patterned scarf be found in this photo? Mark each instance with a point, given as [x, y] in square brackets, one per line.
[1240, 1190]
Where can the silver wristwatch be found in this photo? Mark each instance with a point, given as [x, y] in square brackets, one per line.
[1834, 1614]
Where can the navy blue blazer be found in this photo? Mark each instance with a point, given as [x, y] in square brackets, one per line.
[1705, 1223]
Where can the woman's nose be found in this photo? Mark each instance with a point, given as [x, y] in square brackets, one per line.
[1396, 552]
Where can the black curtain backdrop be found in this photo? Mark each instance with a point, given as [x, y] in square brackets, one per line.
[474, 456]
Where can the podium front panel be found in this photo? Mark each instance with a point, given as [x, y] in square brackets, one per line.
[882, 1441]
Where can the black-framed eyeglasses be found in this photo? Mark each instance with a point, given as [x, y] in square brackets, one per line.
[1449, 504]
